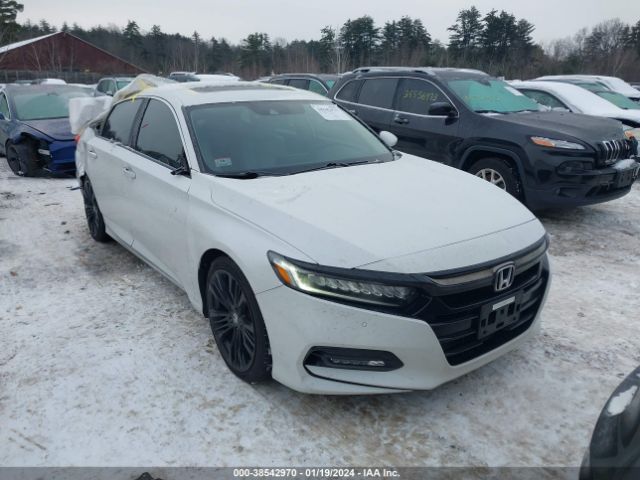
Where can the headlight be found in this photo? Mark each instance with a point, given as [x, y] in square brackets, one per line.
[632, 133]
[553, 143]
[338, 286]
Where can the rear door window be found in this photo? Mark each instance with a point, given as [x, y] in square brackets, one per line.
[119, 123]
[349, 91]
[159, 137]
[416, 96]
[378, 92]
[317, 87]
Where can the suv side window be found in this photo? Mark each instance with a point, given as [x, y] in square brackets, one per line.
[299, 83]
[416, 96]
[378, 92]
[4, 107]
[544, 98]
[118, 124]
[159, 137]
[280, 81]
[348, 91]
[102, 86]
[317, 87]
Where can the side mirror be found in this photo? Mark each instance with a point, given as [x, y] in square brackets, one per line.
[442, 109]
[388, 138]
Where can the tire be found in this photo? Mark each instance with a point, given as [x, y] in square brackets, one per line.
[22, 160]
[236, 322]
[95, 220]
[500, 173]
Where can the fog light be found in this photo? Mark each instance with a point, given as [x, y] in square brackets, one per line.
[352, 359]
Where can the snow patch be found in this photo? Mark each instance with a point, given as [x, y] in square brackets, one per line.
[620, 402]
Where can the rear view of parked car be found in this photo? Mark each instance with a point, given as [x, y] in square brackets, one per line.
[35, 135]
[471, 121]
[321, 257]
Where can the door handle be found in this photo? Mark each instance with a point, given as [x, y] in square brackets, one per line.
[128, 172]
[401, 120]
[92, 154]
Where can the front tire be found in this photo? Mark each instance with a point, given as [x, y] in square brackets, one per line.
[22, 160]
[95, 220]
[498, 172]
[236, 322]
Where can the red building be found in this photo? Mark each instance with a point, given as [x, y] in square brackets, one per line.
[62, 52]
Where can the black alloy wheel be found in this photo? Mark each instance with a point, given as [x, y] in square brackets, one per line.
[95, 221]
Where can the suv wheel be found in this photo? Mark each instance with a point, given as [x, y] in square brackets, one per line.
[236, 322]
[499, 173]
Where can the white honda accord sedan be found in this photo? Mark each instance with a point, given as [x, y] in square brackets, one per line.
[321, 257]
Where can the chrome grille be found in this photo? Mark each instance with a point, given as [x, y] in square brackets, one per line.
[614, 150]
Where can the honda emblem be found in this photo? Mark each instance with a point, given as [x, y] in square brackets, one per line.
[503, 277]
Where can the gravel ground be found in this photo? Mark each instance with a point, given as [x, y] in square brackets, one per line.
[104, 362]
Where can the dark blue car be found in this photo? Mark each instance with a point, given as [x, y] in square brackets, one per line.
[35, 135]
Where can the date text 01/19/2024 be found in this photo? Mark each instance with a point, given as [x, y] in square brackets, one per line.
[320, 473]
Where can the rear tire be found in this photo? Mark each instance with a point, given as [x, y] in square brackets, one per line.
[95, 220]
[22, 159]
[500, 173]
[236, 322]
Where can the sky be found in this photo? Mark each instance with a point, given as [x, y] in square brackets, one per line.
[303, 19]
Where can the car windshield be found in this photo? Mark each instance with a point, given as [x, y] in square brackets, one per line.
[491, 96]
[619, 100]
[123, 82]
[281, 137]
[41, 103]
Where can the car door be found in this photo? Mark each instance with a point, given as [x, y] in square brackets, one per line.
[5, 122]
[107, 170]
[375, 102]
[158, 194]
[418, 132]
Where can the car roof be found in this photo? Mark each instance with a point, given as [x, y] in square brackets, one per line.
[39, 87]
[443, 73]
[322, 76]
[200, 93]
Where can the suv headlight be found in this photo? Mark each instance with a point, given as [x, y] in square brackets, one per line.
[553, 143]
[338, 284]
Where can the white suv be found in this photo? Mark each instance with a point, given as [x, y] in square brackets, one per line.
[320, 256]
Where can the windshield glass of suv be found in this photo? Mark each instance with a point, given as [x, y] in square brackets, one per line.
[280, 137]
[41, 103]
[619, 100]
[491, 96]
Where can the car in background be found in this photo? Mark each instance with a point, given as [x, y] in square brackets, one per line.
[477, 123]
[321, 257]
[35, 134]
[110, 85]
[614, 84]
[573, 98]
[614, 450]
[317, 83]
[601, 90]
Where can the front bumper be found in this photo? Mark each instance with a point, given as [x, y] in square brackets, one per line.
[61, 158]
[296, 323]
[583, 187]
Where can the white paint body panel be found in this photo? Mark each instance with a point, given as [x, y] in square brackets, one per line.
[409, 215]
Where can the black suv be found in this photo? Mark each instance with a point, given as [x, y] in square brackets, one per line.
[469, 120]
[318, 83]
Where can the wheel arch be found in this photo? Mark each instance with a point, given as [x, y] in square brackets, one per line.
[473, 154]
[207, 258]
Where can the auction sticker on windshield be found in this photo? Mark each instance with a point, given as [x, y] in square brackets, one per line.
[329, 111]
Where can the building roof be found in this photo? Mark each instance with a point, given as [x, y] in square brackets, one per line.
[13, 46]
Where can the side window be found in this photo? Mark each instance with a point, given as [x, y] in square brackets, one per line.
[159, 136]
[102, 86]
[378, 92]
[348, 91]
[279, 81]
[416, 96]
[4, 107]
[299, 83]
[317, 87]
[118, 124]
[544, 98]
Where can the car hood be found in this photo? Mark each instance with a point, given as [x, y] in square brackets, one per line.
[353, 216]
[56, 128]
[584, 127]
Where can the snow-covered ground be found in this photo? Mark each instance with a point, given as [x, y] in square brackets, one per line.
[104, 362]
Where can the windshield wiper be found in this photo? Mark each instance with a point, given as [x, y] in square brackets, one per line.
[249, 175]
[334, 165]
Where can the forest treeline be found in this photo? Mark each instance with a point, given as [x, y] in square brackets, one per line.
[497, 42]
